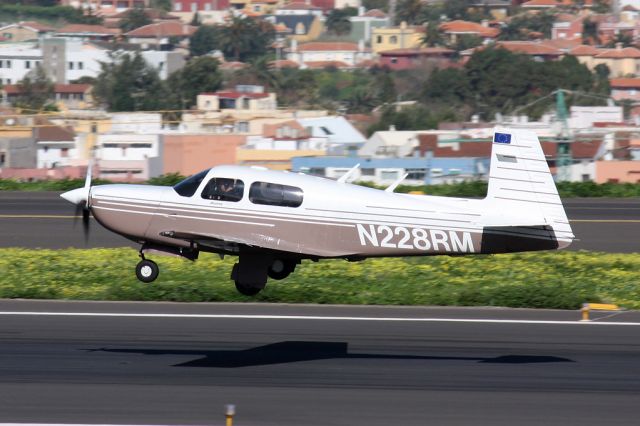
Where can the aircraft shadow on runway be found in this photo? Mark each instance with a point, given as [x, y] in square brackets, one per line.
[293, 351]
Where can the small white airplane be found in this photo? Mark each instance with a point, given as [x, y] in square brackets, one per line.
[273, 220]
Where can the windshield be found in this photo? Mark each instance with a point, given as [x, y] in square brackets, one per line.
[188, 187]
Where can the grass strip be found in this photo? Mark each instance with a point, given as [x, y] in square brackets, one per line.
[561, 280]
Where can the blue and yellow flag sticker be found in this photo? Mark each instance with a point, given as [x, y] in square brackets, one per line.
[502, 138]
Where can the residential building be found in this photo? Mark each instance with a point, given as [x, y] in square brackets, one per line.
[160, 34]
[87, 32]
[244, 110]
[341, 136]
[617, 171]
[537, 50]
[567, 27]
[554, 4]
[400, 37]
[188, 154]
[56, 147]
[350, 54]
[385, 171]
[403, 59]
[106, 5]
[66, 96]
[25, 31]
[300, 9]
[363, 24]
[625, 88]
[454, 29]
[16, 60]
[499, 9]
[302, 28]
[209, 11]
[621, 61]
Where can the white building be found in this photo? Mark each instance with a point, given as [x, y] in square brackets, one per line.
[56, 147]
[16, 60]
[308, 54]
[341, 136]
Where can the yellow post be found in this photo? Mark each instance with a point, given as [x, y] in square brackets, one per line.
[229, 413]
[585, 312]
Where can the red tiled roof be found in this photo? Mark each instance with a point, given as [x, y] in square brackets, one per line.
[232, 65]
[375, 13]
[163, 29]
[625, 83]
[554, 3]
[466, 27]
[424, 51]
[237, 95]
[326, 64]
[13, 89]
[283, 63]
[627, 52]
[584, 50]
[529, 48]
[54, 133]
[319, 46]
[299, 6]
[562, 44]
[87, 29]
[36, 26]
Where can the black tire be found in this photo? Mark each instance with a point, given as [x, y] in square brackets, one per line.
[280, 269]
[247, 289]
[147, 271]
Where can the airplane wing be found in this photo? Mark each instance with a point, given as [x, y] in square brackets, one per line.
[221, 242]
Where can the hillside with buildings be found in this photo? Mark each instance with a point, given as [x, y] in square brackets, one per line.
[146, 88]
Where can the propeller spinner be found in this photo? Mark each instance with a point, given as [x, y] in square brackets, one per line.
[81, 198]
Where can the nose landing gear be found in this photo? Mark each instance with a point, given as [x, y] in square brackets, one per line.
[147, 270]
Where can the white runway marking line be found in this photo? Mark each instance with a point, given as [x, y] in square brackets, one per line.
[307, 317]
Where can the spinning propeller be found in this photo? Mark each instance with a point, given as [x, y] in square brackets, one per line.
[81, 198]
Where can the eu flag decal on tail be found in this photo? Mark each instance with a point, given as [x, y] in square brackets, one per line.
[502, 138]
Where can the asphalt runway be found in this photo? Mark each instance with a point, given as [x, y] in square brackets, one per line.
[284, 365]
[43, 219]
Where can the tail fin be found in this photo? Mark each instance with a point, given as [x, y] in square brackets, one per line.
[520, 181]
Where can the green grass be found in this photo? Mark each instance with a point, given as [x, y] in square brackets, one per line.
[561, 280]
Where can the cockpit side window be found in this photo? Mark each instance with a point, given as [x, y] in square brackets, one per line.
[188, 187]
[223, 189]
[274, 194]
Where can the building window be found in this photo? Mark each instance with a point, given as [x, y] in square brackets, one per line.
[64, 152]
[300, 29]
[394, 60]
[273, 194]
[393, 39]
[416, 174]
[80, 65]
[378, 39]
[388, 175]
[317, 171]
[368, 172]
[207, 7]
[3, 158]
[194, 7]
[223, 189]
[177, 7]
[243, 126]
[70, 65]
[27, 64]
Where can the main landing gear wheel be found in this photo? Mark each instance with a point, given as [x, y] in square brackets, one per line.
[247, 289]
[280, 269]
[147, 271]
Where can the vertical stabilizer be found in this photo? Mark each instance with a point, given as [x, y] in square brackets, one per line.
[521, 184]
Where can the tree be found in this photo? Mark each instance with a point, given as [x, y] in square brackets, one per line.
[466, 41]
[590, 33]
[161, 4]
[135, 18]
[195, 21]
[241, 39]
[338, 22]
[625, 39]
[36, 91]
[521, 26]
[130, 84]
[409, 11]
[204, 40]
[432, 36]
[198, 75]
[376, 4]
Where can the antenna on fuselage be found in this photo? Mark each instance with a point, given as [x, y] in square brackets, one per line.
[347, 175]
[397, 182]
